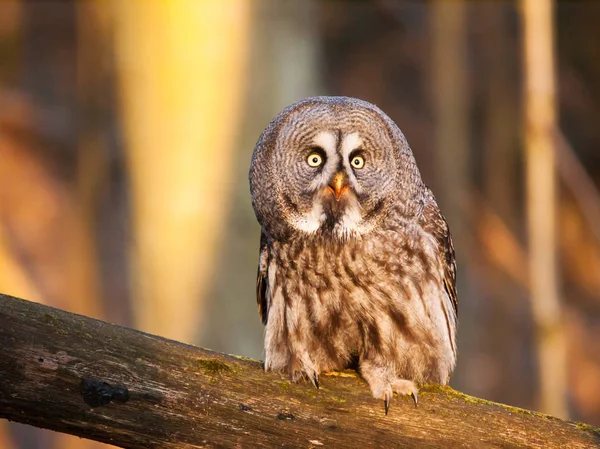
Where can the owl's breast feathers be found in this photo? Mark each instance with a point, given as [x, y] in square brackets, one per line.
[392, 292]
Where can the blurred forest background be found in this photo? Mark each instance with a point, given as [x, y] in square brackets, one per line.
[126, 129]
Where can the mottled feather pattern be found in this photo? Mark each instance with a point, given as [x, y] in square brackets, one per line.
[433, 222]
[375, 304]
[356, 262]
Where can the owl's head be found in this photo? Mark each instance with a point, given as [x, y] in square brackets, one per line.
[332, 166]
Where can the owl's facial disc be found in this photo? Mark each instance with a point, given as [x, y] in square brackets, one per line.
[335, 207]
[331, 179]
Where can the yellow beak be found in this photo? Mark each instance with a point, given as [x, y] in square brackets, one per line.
[338, 185]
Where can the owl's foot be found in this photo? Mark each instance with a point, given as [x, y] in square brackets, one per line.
[313, 376]
[306, 370]
[386, 390]
[384, 383]
[406, 387]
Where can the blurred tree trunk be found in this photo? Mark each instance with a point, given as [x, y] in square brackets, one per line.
[91, 153]
[540, 124]
[501, 120]
[500, 182]
[182, 72]
[453, 176]
[451, 104]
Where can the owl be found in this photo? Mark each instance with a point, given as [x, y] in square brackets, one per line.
[356, 265]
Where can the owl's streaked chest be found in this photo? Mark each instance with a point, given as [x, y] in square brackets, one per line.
[341, 298]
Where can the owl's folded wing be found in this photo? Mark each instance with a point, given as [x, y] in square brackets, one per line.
[433, 222]
[262, 280]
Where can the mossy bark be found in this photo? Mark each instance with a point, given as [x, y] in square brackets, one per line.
[82, 376]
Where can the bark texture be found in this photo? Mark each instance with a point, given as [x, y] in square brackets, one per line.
[82, 376]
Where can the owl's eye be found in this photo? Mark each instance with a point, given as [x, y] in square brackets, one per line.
[314, 159]
[357, 162]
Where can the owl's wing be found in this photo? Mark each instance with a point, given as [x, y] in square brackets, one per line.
[433, 222]
[262, 279]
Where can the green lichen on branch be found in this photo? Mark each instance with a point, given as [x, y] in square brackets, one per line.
[252, 361]
[214, 367]
[450, 393]
[591, 429]
[56, 324]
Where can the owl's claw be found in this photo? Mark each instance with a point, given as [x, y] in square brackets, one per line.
[315, 380]
[386, 400]
[384, 383]
[415, 396]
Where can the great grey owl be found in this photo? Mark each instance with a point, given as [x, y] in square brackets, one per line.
[356, 262]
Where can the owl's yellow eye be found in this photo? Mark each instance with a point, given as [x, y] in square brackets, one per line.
[314, 159]
[357, 162]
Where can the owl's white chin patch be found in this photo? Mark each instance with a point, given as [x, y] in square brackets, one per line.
[351, 223]
[311, 221]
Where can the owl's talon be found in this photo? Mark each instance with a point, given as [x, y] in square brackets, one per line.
[415, 397]
[315, 380]
[386, 404]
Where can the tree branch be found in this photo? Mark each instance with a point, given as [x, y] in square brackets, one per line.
[82, 376]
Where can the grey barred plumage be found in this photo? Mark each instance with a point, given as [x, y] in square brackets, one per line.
[356, 260]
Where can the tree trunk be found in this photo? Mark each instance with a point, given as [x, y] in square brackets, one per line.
[540, 125]
[181, 68]
[78, 375]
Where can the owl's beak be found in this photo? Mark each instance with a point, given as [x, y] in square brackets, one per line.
[338, 185]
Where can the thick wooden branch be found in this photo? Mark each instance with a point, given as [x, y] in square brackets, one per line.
[82, 376]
